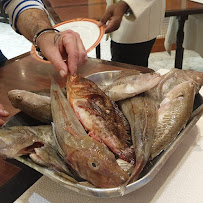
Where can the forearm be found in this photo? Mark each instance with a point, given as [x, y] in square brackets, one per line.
[14, 8]
[64, 50]
[36, 20]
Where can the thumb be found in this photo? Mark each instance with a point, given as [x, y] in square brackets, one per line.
[59, 64]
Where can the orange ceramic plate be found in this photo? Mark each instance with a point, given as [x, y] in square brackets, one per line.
[88, 29]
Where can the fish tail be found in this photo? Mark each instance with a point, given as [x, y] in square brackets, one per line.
[137, 170]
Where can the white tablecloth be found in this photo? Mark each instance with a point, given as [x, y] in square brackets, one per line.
[180, 180]
[193, 34]
[198, 1]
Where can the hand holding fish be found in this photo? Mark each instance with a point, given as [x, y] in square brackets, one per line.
[114, 15]
[3, 113]
[65, 50]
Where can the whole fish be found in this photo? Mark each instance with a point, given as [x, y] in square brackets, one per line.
[34, 105]
[173, 78]
[142, 115]
[100, 116]
[127, 86]
[20, 140]
[91, 159]
[173, 114]
[35, 141]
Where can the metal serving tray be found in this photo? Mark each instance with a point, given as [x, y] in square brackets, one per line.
[150, 170]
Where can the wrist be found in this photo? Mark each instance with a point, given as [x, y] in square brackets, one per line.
[124, 6]
[126, 9]
[44, 38]
[42, 33]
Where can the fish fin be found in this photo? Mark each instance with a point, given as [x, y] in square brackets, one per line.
[198, 111]
[138, 168]
[122, 189]
[59, 149]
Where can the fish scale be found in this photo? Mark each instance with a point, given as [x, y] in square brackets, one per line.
[173, 115]
[100, 116]
[141, 113]
[91, 159]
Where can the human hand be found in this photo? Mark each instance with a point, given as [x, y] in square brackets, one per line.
[64, 50]
[114, 14]
[3, 113]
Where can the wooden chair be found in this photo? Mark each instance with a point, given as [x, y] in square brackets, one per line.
[3, 15]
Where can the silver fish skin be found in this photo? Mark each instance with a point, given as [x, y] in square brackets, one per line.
[142, 114]
[173, 78]
[173, 114]
[20, 140]
[90, 159]
[131, 85]
[34, 105]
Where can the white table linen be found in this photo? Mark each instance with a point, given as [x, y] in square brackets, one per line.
[193, 33]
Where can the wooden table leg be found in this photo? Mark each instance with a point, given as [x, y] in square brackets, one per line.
[179, 42]
[98, 51]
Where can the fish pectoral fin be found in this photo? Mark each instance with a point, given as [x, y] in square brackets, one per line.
[59, 149]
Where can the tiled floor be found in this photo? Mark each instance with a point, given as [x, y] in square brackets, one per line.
[13, 44]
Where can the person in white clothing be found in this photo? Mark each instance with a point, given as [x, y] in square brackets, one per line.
[133, 26]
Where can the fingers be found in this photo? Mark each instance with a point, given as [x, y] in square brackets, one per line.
[3, 112]
[75, 49]
[113, 20]
[113, 16]
[58, 63]
[64, 50]
[105, 18]
[83, 53]
[113, 24]
[1, 122]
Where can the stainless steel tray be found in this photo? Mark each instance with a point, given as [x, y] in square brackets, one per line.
[149, 172]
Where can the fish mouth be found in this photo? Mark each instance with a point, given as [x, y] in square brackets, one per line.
[31, 149]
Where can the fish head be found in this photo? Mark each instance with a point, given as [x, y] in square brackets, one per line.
[102, 171]
[28, 102]
[18, 140]
[18, 97]
[181, 91]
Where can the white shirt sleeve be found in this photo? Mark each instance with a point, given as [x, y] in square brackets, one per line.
[15, 7]
[138, 7]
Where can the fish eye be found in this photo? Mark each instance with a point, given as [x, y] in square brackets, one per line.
[18, 97]
[94, 164]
